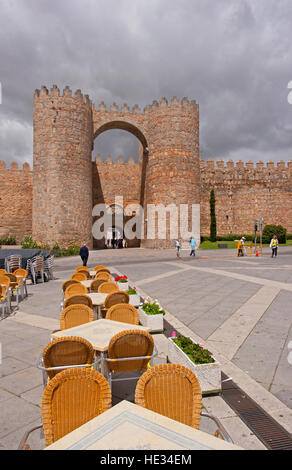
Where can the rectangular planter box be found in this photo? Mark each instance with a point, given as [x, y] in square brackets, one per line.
[155, 322]
[134, 300]
[209, 375]
[123, 285]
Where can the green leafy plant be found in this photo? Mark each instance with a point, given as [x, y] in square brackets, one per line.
[28, 242]
[213, 225]
[195, 352]
[132, 291]
[271, 230]
[8, 240]
[153, 308]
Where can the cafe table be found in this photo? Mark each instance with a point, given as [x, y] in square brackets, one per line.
[127, 426]
[98, 300]
[99, 333]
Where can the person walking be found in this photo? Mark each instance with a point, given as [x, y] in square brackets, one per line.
[84, 253]
[193, 246]
[177, 245]
[274, 246]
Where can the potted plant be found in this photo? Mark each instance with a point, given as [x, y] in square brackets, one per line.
[122, 282]
[151, 315]
[182, 350]
[134, 297]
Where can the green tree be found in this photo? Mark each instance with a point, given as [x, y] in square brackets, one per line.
[213, 226]
[271, 230]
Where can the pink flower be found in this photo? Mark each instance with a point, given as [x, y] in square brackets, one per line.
[201, 346]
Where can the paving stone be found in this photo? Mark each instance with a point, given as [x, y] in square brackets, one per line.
[15, 414]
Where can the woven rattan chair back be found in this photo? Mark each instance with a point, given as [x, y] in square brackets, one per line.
[3, 271]
[99, 267]
[12, 277]
[78, 299]
[104, 276]
[79, 276]
[75, 315]
[173, 391]
[95, 284]
[21, 272]
[108, 287]
[81, 268]
[130, 343]
[86, 273]
[4, 280]
[69, 283]
[75, 289]
[103, 270]
[71, 398]
[67, 351]
[124, 313]
[116, 298]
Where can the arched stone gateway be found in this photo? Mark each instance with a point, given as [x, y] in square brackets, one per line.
[65, 126]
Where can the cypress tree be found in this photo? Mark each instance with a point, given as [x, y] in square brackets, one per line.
[213, 227]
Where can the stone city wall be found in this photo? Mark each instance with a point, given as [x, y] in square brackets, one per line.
[245, 192]
[15, 201]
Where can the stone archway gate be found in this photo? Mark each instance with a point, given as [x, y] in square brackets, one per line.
[65, 126]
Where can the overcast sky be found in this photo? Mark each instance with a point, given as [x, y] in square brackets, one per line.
[234, 57]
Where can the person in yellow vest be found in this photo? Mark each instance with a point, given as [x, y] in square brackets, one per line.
[274, 245]
[239, 248]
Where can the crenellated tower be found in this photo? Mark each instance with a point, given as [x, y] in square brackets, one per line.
[62, 177]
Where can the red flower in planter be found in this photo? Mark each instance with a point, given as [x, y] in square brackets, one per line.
[118, 278]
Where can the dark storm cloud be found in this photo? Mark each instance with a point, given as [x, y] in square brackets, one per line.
[233, 56]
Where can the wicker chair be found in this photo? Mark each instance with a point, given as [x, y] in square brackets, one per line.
[104, 276]
[75, 289]
[23, 273]
[120, 297]
[86, 273]
[174, 391]
[72, 398]
[68, 283]
[78, 299]
[129, 351]
[63, 353]
[103, 270]
[75, 315]
[4, 301]
[81, 268]
[95, 284]
[108, 287]
[124, 313]
[5, 282]
[99, 267]
[15, 286]
[3, 271]
[79, 276]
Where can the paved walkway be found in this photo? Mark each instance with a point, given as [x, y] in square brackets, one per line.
[240, 308]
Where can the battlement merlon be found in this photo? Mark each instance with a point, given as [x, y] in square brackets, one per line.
[67, 93]
[212, 164]
[156, 106]
[14, 166]
[120, 160]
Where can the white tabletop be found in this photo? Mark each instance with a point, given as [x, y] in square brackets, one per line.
[97, 298]
[128, 426]
[99, 332]
[86, 283]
